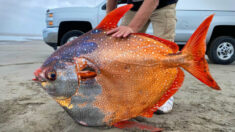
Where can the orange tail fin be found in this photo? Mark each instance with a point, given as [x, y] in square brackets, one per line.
[195, 51]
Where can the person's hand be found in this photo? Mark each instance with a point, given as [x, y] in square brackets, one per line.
[121, 31]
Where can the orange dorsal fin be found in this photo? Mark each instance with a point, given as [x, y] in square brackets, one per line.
[170, 44]
[195, 51]
[132, 124]
[170, 92]
[111, 20]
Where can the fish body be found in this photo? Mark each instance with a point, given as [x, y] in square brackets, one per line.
[101, 80]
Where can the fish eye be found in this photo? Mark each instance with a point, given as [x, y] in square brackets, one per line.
[51, 75]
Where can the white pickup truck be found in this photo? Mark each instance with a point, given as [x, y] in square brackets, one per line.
[66, 24]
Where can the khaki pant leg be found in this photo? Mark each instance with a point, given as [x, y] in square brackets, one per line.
[129, 16]
[164, 22]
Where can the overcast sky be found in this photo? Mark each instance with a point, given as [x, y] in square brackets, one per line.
[28, 16]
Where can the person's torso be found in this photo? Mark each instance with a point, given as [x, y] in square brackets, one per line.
[162, 3]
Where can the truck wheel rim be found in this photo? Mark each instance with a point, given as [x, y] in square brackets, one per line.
[71, 39]
[225, 51]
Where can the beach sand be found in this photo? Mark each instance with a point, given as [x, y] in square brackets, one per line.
[25, 107]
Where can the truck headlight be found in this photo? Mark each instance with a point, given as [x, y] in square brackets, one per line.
[49, 18]
[50, 23]
[50, 15]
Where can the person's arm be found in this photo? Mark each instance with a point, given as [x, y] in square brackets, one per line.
[139, 20]
[111, 5]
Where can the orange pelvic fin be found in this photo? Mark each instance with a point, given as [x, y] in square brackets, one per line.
[170, 92]
[195, 51]
[111, 20]
[132, 124]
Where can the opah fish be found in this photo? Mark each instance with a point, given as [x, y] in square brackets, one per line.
[101, 80]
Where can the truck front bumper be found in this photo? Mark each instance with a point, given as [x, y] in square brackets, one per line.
[50, 36]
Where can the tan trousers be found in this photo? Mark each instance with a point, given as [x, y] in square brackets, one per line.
[163, 21]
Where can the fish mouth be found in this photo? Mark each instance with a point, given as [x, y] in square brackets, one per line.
[39, 76]
[40, 79]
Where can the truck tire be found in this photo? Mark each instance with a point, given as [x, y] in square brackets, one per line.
[70, 36]
[222, 50]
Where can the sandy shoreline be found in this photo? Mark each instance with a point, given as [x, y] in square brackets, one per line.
[24, 106]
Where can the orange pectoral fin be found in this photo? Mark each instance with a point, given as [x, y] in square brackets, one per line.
[84, 68]
[132, 124]
[87, 74]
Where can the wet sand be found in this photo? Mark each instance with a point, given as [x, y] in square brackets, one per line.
[25, 107]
